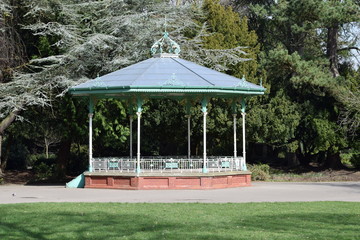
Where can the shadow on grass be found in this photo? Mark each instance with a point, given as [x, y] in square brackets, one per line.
[174, 221]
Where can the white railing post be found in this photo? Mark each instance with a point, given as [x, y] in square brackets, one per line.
[139, 102]
[204, 110]
[244, 168]
[189, 135]
[90, 141]
[138, 170]
[235, 149]
[131, 136]
[204, 155]
[91, 114]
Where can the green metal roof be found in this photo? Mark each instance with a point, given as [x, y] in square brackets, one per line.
[166, 75]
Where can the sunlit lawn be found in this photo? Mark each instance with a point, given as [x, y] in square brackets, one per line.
[314, 220]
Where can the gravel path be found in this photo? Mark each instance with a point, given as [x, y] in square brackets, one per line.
[259, 192]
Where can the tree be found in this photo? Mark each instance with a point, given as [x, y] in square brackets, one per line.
[16, 90]
[73, 41]
[228, 30]
[293, 34]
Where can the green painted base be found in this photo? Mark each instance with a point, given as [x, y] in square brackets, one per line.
[243, 167]
[78, 182]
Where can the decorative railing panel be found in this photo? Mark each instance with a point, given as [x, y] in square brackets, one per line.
[168, 164]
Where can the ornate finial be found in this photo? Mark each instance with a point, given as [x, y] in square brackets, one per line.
[242, 83]
[165, 45]
[98, 82]
[173, 81]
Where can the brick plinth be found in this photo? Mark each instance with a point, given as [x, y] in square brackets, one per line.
[167, 181]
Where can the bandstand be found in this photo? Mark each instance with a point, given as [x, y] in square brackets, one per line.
[166, 75]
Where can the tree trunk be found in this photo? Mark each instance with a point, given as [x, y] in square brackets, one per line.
[333, 161]
[1, 171]
[63, 157]
[46, 148]
[5, 155]
[331, 49]
[304, 159]
[5, 123]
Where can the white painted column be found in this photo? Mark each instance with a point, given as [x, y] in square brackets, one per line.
[138, 170]
[235, 148]
[90, 141]
[131, 136]
[204, 154]
[244, 143]
[189, 135]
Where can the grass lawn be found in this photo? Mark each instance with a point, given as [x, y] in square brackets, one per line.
[103, 221]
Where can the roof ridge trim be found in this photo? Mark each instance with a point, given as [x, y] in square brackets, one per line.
[192, 71]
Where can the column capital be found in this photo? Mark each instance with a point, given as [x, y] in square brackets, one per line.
[139, 102]
[188, 116]
[243, 113]
[204, 103]
[234, 114]
[243, 104]
[138, 114]
[90, 115]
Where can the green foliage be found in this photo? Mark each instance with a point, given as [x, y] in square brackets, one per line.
[260, 172]
[111, 125]
[44, 168]
[274, 121]
[229, 30]
[293, 35]
[355, 160]
[78, 161]
[18, 156]
[71, 41]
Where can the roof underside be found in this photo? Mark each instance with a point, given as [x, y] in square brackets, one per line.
[166, 77]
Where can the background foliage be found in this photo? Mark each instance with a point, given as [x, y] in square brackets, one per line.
[303, 52]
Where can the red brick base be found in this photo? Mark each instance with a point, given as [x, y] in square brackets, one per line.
[200, 181]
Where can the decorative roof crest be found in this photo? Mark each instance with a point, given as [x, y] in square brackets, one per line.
[165, 45]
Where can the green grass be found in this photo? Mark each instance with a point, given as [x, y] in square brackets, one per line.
[103, 221]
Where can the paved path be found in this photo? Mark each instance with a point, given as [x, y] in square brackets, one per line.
[259, 192]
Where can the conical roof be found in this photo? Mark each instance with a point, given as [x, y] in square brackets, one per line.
[166, 75]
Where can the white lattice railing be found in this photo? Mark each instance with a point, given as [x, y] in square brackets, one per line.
[168, 164]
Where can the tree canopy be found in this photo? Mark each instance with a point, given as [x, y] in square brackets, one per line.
[302, 52]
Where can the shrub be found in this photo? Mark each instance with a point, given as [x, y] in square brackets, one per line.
[260, 172]
[355, 160]
[44, 168]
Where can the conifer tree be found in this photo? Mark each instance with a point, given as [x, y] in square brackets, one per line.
[229, 30]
